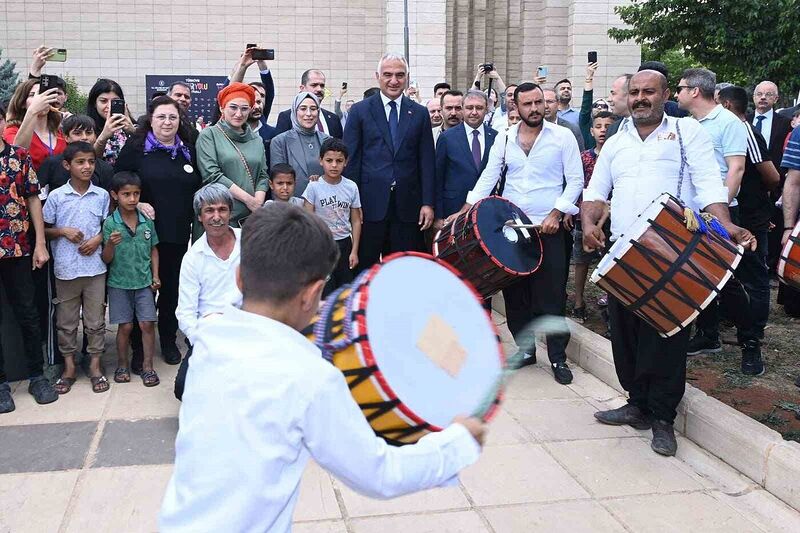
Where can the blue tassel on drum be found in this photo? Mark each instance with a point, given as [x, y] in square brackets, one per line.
[717, 228]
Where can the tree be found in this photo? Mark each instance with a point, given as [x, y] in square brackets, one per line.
[743, 41]
[8, 78]
[76, 99]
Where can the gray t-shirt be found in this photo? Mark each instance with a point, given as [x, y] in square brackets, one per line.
[333, 204]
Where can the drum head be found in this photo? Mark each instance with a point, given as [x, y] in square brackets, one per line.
[435, 346]
[506, 246]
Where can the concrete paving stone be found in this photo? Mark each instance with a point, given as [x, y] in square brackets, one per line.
[663, 513]
[764, 509]
[574, 516]
[137, 442]
[452, 522]
[317, 500]
[518, 474]
[534, 383]
[134, 401]
[622, 467]
[35, 502]
[430, 500]
[45, 447]
[503, 429]
[562, 420]
[328, 526]
[80, 404]
[586, 385]
[119, 499]
[783, 473]
[710, 470]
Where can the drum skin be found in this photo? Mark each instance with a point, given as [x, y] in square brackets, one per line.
[668, 274]
[475, 246]
[388, 416]
[789, 262]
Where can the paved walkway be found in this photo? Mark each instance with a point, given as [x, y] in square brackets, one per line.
[100, 462]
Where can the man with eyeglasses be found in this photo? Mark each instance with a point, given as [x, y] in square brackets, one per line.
[773, 126]
[551, 115]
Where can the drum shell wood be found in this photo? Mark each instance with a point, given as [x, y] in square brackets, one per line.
[659, 280]
[789, 262]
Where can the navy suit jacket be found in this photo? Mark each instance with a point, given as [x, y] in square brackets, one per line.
[374, 164]
[334, 124]
[456, 172]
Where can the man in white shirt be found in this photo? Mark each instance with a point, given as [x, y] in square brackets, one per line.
[208, 272]
[261, 400]
[639, 163]
[540, 157]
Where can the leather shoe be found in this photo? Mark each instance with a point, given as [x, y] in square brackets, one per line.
[664, 442]
[6, 401]
[562, 373]
[526, 360]
[171, 354]
[628, 414]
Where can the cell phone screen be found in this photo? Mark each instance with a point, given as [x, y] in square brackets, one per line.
[592, 56]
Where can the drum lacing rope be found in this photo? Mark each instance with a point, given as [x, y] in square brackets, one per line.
[696, 221]
[321, 333]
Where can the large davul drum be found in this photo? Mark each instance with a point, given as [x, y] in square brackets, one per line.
[663, 272]
[415, 345]
[789, 262]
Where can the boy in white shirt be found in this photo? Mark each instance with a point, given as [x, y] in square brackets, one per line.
[282, 182]
[260, 400]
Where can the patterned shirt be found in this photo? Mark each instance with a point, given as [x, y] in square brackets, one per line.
[114, 146]
[17, 183]
[131, 267]
[791, 156]
[66, 208]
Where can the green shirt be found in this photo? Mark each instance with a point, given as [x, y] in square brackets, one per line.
[131, 268]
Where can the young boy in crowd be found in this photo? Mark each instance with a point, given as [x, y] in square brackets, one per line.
[581, 258]
[52, 173]
[254, 412]
[129, 249]
[335, 199]
[281, 183]
[74, 215]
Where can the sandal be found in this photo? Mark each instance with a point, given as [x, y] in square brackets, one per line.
[99, 384]
[150, 378]
[579, 314]
[122, 375]
[64, 385]
[602, 301]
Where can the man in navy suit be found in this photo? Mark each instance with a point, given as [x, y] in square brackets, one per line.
[392, 162]
[313, 81]
[461, 156]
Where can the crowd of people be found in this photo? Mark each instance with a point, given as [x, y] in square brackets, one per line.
[104, 208]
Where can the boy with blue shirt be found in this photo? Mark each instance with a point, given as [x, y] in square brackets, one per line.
[73, 215]
[130, 251]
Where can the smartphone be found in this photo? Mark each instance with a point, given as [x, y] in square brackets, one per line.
[592, 56]
[344, 85]
[261, 54]
[541, 72]
[58, 55]
[251, 45]
[46, 81]
[117, 106]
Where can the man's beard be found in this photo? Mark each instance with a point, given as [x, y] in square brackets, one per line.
[533, 122]
[564, 99]
[655, 116]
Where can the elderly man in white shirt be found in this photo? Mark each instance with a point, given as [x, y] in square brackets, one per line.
[540, 156]
[639, 163]
[261, 400]
[208, 272]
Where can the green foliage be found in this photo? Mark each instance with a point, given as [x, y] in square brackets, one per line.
[76, 99]
[8, 78]
[743, 41]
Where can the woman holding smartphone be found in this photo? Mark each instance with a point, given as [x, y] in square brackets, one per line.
[33, 122]
[112, 126]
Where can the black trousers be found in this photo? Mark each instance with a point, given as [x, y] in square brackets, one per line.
[651, 368]
[541, 293]
[15, 275]
[341, 274]
[180, 377]
[388, 236]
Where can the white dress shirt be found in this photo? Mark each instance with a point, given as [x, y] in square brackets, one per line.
[260, 401]
[535, 182]
[386, 109]
[639, 170]
[766, 124]
[481, 137]
[207, 284]
[499, 119]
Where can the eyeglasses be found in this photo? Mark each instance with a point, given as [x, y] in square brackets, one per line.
[164, 118]
[766, 95]
[233, 108]
[679, 88]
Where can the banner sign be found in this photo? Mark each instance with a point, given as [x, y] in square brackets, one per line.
[204, 91]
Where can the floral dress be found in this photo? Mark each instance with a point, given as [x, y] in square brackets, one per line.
[114, 147]
[17, 183]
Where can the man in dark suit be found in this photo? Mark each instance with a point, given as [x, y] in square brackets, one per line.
[313, 81]
[461, 156]
[392, 162]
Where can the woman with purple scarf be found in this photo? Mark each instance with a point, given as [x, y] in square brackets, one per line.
[160, 154]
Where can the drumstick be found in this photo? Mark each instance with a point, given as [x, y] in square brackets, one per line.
[514, 225]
